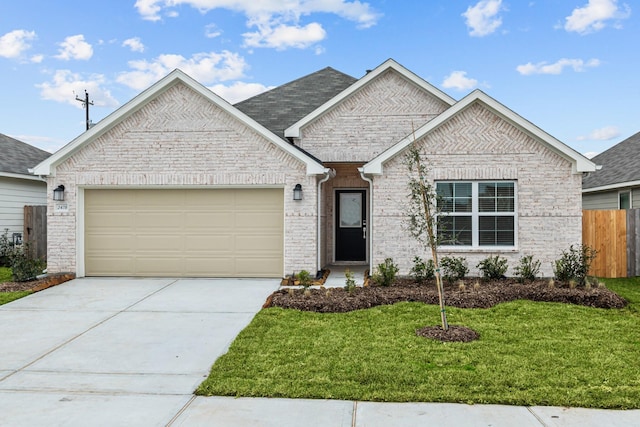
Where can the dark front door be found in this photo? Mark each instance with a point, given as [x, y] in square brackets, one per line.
[351, 225]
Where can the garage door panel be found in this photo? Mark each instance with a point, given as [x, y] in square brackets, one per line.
[182, 233]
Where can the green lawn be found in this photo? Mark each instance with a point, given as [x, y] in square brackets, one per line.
[5, 297]
[528, 354]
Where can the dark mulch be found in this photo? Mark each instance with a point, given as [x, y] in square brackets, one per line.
[37, 285]
[453, 334]
[473, 294]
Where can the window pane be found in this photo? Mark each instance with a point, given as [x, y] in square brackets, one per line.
[463, 189]
[486, 189]
[445, 205]
[504, 189]
[444, 189]
[625, 200]
[454, 230]
[463, 205]
[496, 231]
[486, 205]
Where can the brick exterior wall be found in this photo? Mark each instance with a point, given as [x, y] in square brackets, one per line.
[478, 145]
[371, 120]
[182, 139]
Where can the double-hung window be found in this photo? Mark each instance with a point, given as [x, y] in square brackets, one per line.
[477, 213]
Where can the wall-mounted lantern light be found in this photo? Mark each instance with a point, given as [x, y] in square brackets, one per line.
[58, 193]
[297, 192]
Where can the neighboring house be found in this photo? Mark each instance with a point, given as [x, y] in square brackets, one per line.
[178, 182]
[18, 187]
[616, 185]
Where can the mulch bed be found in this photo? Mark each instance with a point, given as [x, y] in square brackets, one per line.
[37, 285]
[474, 293]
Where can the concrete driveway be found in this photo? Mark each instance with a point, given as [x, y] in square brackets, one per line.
[114, 351]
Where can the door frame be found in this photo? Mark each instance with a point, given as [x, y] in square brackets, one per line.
[334, 223]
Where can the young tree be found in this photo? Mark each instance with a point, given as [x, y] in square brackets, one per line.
[422, 215]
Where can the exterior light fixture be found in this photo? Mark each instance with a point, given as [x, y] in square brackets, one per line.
[297, 192]
[58, 193]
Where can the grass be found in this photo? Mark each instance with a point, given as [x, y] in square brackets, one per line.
[528, 354]
[5, 297]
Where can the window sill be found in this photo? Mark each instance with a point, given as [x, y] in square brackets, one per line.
[479, 250]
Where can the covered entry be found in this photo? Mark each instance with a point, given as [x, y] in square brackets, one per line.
[184, 232]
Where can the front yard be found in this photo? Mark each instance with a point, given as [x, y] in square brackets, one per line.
[529, 353]
[5, 297]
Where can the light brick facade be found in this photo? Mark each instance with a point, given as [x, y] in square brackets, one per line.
[479, 145]
[181, 139]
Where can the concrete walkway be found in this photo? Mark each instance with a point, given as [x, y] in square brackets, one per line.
[130, 352]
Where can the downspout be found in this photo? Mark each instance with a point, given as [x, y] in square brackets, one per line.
[330, 173]
[370, 223]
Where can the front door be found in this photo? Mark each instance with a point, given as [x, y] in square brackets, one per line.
[351, 225]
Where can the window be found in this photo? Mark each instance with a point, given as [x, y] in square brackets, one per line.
[477, 214]
[624, 200]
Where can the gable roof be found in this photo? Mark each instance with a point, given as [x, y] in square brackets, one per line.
[294, 130]
[48, 166]
[620, 166]
[580, 163]
[279, 108]
[17, 157]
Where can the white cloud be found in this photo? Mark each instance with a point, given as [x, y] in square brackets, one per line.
[36, 59]
[14, 43]
[459, 80]
[482, 19]
[134, 43]
[603, 134]
[42, 142]
[277, 22]
[577, 65]
[239, 91]
[212, 31]
[74, 47]
[65, 85]
[593, 16]
[591, 154]
[284, 36]
[204, 67]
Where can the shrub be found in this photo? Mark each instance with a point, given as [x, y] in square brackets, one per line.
[527, 269]
[23, 265]
[493, 267]
[304, 278]
[386, 272]
[350, 283]
[422, 271]
[454, 268]
[6, 248]
[574, 264]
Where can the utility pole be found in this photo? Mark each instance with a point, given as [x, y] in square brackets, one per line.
[85, 105]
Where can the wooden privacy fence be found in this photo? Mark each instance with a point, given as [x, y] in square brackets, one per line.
[35, 230]
[615, 234]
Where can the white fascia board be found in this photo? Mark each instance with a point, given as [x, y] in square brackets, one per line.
[21, 176]
[294, 130]
[580, 163]
[617, 186]
[47, 167]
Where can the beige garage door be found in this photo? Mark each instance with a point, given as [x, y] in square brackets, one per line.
[184, 233]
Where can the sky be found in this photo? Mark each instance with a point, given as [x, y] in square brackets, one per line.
[571, 67]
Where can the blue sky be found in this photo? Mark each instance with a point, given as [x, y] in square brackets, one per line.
[569, 66]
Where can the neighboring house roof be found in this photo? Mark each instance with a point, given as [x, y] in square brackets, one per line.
[279, 108]
[620, 167]
[47, 167]
[580, 163]
[294, 130]
[17, 157]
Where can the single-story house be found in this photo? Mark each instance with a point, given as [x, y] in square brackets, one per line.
[178, 182]
[18, 187]
[616, 185]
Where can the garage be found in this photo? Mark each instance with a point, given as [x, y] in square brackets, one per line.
[184, 232]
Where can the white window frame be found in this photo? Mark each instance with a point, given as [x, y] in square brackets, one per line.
[630, 198]
[476, 214]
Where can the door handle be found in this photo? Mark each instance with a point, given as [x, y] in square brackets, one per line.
[364, 232]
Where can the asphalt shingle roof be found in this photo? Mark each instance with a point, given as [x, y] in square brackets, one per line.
[620, 163]
[281, 107]
[17, 156]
